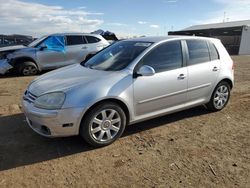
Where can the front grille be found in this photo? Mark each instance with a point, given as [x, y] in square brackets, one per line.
[28, 96]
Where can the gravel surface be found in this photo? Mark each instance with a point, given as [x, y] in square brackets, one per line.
[193, 148]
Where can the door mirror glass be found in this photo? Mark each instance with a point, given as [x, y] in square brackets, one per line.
[146, 70]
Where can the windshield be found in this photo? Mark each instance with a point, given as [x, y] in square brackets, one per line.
[37, 41]
[117, 56]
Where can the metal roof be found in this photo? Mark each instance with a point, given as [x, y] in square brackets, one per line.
[219, 25]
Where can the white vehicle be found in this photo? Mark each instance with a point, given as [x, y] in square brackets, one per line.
[55, 51]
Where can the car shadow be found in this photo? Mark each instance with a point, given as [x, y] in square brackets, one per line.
[20, 146]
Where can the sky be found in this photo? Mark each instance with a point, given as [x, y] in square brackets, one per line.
[126, 18]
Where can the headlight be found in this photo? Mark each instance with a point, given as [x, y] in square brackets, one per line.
[50, 101]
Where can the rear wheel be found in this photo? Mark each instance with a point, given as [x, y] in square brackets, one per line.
[103, 124]
[220, 97]
[27, 68]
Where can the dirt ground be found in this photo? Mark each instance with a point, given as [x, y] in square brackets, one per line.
[193, 148]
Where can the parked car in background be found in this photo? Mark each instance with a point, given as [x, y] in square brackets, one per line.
[128, 82]
[10, 43]
[12, 40]
[54, 51]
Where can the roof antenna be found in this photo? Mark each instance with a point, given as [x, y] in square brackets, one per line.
[224, 18]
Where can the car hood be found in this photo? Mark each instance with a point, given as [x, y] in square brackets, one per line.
[11, 48]
[65, 78]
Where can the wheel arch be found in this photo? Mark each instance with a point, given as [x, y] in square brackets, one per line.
[23, 59]
[229, 81]
[226, 79]
[114, 100]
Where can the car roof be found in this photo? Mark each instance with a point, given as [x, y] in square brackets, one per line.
[89, 34]
[156, 39]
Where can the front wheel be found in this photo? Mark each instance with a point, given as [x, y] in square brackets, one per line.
[27, 68]
[103, 124]
[220, 97]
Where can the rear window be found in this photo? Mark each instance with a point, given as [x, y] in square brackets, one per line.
[75, 40]
[198, 51]
[92, 39]
[213, 52]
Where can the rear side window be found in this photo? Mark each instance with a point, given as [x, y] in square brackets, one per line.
[167, 56]
[213, 52]
[92, 39]
[75, 40]
[198, 51]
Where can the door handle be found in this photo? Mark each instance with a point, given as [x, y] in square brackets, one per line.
[84, 47]
[181, 77]
[215, 69]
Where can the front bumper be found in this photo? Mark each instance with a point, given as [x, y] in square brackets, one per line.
[53, 123]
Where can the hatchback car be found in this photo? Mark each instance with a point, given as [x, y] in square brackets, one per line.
[128, 82]
[55, 51]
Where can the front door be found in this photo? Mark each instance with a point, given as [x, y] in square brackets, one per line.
[166, 89]
[53, 56]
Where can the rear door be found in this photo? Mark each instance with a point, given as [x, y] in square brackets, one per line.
[76, 48]
[203, 69]
[94, 44]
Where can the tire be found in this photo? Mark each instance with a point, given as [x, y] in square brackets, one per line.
[220, 97]
[97, 127]
[27, 68]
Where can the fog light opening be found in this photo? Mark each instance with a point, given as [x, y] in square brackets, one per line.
[45, 130]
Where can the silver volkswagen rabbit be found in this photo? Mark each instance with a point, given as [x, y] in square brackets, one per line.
[128, 82]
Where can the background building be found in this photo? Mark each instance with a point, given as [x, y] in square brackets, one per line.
[234, 35]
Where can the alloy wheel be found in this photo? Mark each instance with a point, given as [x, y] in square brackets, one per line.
[105, 125]
[221, 97]
[29, 70]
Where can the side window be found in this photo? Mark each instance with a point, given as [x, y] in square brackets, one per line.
[75, 40]
[198, 51]
[167, 56]
[55, 43]
[92, 39]
[213, 52]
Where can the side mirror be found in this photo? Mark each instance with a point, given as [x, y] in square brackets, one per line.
[43, 46]
[146, 70]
